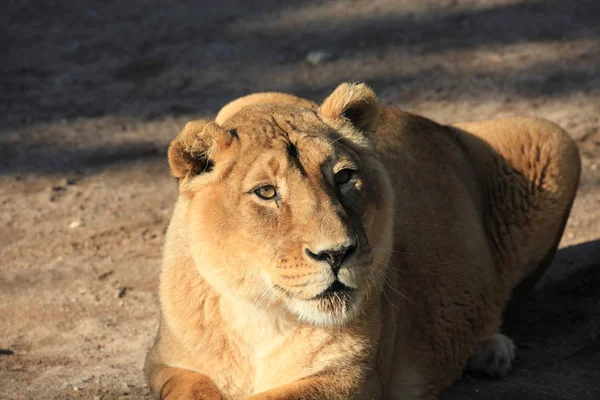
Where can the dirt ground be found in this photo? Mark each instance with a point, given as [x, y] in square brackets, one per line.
[93, 91]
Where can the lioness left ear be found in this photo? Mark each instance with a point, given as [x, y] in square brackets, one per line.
[356, 103]
[197, 148]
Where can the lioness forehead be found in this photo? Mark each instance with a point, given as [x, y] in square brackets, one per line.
[296, 134]
[284, 138]
[265, 122]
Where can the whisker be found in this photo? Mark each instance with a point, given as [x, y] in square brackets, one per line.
[382, 290]
[388, 283]
[335, 140]
[266, 299]
[392, 251]
[397, 291]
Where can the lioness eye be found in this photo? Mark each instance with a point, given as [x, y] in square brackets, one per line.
[266, 192]
[343, 176]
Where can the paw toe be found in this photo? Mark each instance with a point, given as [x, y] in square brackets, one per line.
[494, 356]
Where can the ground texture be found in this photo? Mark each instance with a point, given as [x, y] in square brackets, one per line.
[93, 91]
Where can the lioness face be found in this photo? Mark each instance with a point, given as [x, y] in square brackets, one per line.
[285, 214]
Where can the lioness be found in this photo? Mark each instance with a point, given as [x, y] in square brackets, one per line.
[348, 250]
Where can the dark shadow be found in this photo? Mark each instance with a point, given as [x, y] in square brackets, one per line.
[151, 58]
[72, 59]
[63, 161]
[557, 333]
[563, 298]
[445, 29]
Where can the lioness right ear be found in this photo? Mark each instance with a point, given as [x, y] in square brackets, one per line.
[190, 152]
[355, 103]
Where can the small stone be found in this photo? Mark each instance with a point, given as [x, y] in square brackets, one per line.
[75, 224]
[319, 57]
[105, 275]
[594, 167]
[75, 388]
[123, 291]
[58, 188]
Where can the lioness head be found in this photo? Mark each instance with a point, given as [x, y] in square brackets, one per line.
[285, 205]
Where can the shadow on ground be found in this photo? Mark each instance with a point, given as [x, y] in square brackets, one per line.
[557, 333]
[152, 58]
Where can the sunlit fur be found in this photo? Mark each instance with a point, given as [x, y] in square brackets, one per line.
[445, 222]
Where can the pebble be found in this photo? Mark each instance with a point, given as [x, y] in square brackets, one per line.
[123, 292]
[319, 57]
[75, 224]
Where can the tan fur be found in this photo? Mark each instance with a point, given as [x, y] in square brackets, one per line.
[446, 220]
[261, 98]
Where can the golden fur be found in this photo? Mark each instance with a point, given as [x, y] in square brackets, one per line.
[435, 228]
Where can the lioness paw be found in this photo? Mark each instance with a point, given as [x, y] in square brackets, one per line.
[190, 387]
[494, 356]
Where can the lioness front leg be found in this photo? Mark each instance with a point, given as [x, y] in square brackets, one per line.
[168, 383]
[330, 386]
[494, 356]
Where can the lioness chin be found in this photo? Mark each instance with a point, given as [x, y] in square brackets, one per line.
[348, 250]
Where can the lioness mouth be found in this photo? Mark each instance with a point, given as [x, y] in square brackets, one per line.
[337, 288]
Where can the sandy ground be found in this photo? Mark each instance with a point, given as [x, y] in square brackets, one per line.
[92, 92]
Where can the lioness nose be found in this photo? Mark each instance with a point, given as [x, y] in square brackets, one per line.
[334, 257]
